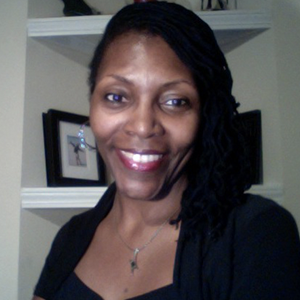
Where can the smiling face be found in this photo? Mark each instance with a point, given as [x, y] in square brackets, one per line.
[145, 115]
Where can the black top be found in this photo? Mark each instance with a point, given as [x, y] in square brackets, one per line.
[256, 258]
[74, 289]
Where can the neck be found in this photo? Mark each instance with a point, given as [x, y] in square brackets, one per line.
[147, 212]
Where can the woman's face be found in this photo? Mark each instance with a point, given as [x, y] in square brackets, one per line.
[145, 115]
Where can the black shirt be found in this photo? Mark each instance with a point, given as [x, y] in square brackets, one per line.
[74, 289]
[256, 258]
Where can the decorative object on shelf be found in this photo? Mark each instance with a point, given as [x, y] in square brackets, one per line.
[218, 4]
[252, 131]
[78, 8]
[213, 5]
[67, 164]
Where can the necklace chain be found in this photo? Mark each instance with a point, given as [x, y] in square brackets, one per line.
[133, 261]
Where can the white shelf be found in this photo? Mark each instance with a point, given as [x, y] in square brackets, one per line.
[46, 198]
[95, 25]
[67, 26]
[52, 198]
[81, 34]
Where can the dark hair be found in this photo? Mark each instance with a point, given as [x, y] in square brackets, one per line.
[218, 169]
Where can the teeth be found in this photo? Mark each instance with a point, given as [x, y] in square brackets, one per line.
[142, 158]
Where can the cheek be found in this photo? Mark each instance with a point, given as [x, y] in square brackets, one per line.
[101, 125]
[184, 134]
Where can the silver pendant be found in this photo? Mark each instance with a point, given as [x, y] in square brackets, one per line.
[133, 261]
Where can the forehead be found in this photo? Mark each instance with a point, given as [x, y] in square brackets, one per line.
[135, 43]
[135, 37]
[144, 49]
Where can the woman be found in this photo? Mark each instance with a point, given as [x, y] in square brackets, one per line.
[176, 223]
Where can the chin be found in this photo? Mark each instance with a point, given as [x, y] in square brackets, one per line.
[140, 190]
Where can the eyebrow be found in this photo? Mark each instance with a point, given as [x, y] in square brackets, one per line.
[167, 84]
[121, 78]
[179, 81]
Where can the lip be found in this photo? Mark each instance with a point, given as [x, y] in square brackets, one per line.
[142, 161]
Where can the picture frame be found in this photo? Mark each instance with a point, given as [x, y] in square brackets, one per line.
[67, 164]
[252, 131]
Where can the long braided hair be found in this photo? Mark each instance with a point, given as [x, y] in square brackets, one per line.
[218, 171]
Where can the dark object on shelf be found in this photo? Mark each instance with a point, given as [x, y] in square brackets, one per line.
[214, 5]
[78, 8]
[251, 129]
[66, 163]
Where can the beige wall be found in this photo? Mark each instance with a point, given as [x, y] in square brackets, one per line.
[52, 81]
[13, 16]
[253, 67]
[287, 51]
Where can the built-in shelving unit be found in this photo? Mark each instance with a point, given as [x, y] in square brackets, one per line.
[77, 37]
[94, 25]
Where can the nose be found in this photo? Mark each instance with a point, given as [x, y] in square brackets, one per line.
[144, 121]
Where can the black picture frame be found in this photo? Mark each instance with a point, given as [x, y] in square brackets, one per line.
[252, 131]
[67, 165]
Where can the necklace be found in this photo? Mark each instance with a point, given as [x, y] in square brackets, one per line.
[133, 261]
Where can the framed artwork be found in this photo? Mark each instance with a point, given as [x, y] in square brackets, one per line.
[251, 127]
[68, 164]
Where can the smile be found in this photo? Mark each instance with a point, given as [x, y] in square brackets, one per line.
[142, 158]
[146, 162]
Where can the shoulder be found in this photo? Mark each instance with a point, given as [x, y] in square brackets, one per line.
[71, 230]
[89, 219]
[82, 226]
[266, 246]
[259, 230]
[263, 222]
[259, 252]
[258, 213]
[70, 244]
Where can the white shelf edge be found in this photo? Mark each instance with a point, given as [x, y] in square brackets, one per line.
[271, 191]
[53, 198]
[66, 26]
[90, 25]
[237, 19]
[47, 198]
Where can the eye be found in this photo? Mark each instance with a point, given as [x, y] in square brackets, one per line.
[116, 98]
[176, 102]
